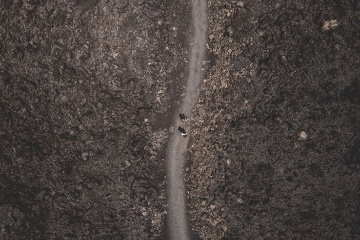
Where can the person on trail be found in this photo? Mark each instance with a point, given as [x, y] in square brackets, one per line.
[183, 117]
[182, 132]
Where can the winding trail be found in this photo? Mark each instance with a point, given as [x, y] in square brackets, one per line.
[177, 147]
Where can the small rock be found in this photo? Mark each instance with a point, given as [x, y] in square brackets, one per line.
[29, 7]
[230, 30]
[240, 200]
[21, 161]
[84, 155]
[214, 222]
[127, 162]
[228, 162]
[35, 208]
[303, 135]
[160, 22]
[212, 206]
[123, 3]
[331, 24]
[240, 4]
[144, 212]
[40, 195]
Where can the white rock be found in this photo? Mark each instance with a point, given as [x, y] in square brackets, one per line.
[303, 135]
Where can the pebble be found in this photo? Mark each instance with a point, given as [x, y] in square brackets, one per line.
[240, 4]
[240, 200]
[84, 155]
[160, 22]
[303, 135]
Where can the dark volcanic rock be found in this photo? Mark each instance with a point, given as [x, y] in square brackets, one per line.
[82, 86]
[275, 145]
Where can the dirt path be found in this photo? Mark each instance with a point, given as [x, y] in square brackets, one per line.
[177, 148]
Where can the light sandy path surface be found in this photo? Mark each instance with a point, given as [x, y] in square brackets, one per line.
[177, 147]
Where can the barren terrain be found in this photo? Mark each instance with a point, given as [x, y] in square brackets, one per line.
[88, 95]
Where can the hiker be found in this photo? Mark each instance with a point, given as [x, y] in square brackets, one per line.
[182, 132]
[183, 117]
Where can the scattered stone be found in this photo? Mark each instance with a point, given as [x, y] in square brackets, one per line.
[330, 25]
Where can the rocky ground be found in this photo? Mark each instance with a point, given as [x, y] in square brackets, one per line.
[85, 88]
[87, 94]
[275, 148]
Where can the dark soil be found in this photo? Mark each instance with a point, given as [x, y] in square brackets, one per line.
[83, 86]
[276, 139]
